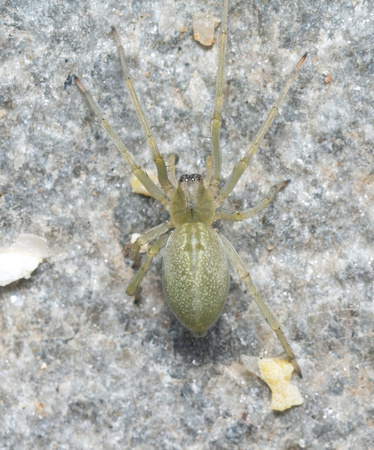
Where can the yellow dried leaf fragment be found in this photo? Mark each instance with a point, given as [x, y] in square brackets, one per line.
[277, 374]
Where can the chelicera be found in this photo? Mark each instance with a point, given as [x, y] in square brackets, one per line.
[195, 269]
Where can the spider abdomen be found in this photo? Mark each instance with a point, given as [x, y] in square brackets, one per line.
[195, 276]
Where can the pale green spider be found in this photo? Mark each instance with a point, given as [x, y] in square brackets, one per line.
[195, 265]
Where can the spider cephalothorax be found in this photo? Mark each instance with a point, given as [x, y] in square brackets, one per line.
[191, 201]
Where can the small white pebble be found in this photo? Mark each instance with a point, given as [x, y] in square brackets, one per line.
[203, 28]
[21, 258]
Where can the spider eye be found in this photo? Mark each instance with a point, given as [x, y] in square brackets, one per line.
[190, 178]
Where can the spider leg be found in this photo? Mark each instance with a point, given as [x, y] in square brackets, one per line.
[238, 216]
[269, 316]
[147, 261]
[157, 157]
[238, 170]
[151, 235]
[172, 160]
[218, 101]
[140, 174]
[208, 170]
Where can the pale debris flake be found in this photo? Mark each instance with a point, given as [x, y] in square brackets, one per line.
[204, 26]
[20, 259]
[277, 374]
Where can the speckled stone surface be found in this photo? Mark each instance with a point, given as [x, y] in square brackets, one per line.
[83, 366]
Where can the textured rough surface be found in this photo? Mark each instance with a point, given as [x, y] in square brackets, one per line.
[82, 365]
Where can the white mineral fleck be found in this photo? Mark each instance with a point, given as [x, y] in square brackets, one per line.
[21, 258]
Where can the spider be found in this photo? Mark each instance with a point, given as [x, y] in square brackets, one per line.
[195, 271]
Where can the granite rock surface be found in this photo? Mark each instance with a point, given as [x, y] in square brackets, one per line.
[84, 366]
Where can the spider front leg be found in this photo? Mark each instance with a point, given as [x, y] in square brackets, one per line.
[157, 157]
[238, 170]
[172, 161]
[218, 102]
[238, 216]
[135, 168]
[269, 316]
[147, 261]
[208, 170]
